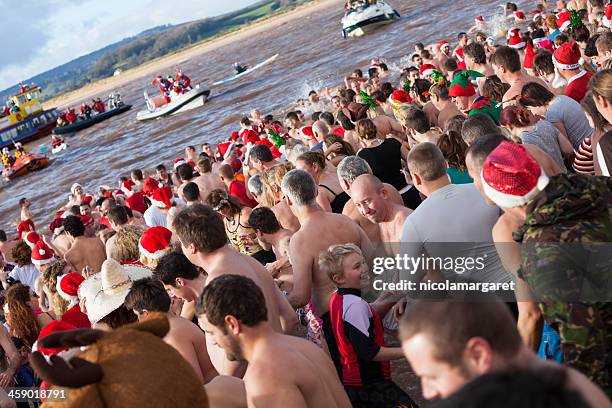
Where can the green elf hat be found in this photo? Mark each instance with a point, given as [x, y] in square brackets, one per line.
[461, 84]
[485, 106]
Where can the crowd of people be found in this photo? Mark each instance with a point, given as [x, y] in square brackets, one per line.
[260, 253]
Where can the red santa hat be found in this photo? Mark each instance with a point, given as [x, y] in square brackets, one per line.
[235, 136]
[511, 177]
[519, 16]
[567, 56]
[529, 55]
[162, 197]
[607, 18]
[543, 42]
[535, 14]
[306, 131]
[564, 20]
[149, 184]
[399, 98]
[126, 186]
[179, 161]
[52, 327]
[479, 19]
[24, 226]
[31, 238]
[427, 69]
[225, 149]
[57, 226]
[443, 43]
[514, 39]
[154, 242]
[67, 287]
[42, 254]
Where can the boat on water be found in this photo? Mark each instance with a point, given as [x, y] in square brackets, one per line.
[366, 17]
[246, 72]
[59, 148]
[158, 107]
[24, 118]
[25, 164]
[84, 123]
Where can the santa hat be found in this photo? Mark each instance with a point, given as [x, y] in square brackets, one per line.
[399, 98]
[529, 55]
[485, 106]
[31, 238]
[443, 43]
[514, 39]
[162, 197]
[179, 161]
[54, 326]
[225, 149]
[607, 19]
[57, 226]
[427, 70]
[564, 20]
[511, 177]
[462, 84]
[567, 56]
[543, 42]
[519, 16]
[154, 242]
[479, 19]
[375, 63]
[25, 226]
[42, 254]
[149, 185]
[74, 187]
[126, 186]
[535, 14]
[306, 132]
[67, 287]
[235, 136]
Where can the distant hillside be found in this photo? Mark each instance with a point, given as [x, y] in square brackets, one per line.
[148, 45]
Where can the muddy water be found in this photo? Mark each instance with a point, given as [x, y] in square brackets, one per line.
[312, 54]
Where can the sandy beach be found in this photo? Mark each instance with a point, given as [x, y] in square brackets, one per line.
[104, 86]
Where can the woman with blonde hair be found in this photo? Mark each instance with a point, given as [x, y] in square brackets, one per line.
[273, 196]
[601, 86]
[23, 315]
[125, 250]
[57, 304]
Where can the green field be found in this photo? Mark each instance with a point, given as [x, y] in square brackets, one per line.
[254, 14]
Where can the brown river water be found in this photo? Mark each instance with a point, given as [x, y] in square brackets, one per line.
[313, 54]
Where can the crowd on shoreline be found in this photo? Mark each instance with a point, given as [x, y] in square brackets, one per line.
[242, 275]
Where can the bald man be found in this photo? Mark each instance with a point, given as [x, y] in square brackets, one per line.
[374, 201]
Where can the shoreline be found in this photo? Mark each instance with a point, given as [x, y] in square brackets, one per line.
[105, 85]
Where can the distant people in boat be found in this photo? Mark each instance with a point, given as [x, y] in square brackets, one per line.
[20, 150]
[23, 88]
[70, 115]
[183, 80]
[56, 141]
[7, 158]
[98, 105]
[164, 86]
[114, 100]
[85, 110]
[61, 120]
[14, 108]
[5, 111]
[239, 69]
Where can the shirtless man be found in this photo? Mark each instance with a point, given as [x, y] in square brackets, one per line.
[117, 218]
[283, 371]
[444, 104]
[506, 64]
[83, 251]
[24, 205]
[348, 170]
[6, 246]
[204, 241]
[319, 230]
[148, 295]
[208, 180]
[373, 200]
[185, 175]
[60, 241]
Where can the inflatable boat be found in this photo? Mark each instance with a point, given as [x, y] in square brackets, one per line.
[157, 106]
[81, 124]
[367, 17]
[25, 164]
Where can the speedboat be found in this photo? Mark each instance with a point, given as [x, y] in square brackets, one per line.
[367, 17]
[157, 106]
[25, 164]
[84, 123]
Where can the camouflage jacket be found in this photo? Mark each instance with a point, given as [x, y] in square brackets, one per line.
[567, 262]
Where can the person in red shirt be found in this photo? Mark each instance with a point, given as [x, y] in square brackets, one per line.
[234, 187]
[567, 63]
[247, 134]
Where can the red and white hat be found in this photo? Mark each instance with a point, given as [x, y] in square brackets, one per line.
[25, 226]
[225, 149]
[426, 70]
[126, 186]
[57, 225]
[479, 19]
[444, 43]
[154, 242]
[514, 39]
[42, 254]
[54, 326]
[67, 287]
[399, 98]
[31, 238]
[179, 161]
[511, 177]
[607, 18]
[519, 16]
[306, 132]
[567, 56]
[162, 197]
[564, 20]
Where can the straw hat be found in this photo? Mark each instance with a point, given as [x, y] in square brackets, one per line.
[106, 291]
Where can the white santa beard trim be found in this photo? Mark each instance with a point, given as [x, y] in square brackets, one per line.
[606, 22]
[564, 66]
[509, 201]
[152, 255]
[427, 72]
[565, 25]
[73, 300]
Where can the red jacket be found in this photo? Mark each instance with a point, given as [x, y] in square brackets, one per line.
[578, 87]
[238, 190]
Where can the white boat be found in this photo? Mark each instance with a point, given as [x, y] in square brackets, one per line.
[59, 148]
[157, 106]
[248, 71]
[367, 17]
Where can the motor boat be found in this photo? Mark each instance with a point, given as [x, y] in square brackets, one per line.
[84, 123]
[366, 17]
[157, 106]
[25, 164]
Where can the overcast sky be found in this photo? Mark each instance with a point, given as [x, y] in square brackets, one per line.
[42, 34]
